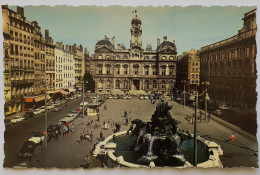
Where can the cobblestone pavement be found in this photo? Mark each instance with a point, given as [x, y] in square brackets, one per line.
[67, 152]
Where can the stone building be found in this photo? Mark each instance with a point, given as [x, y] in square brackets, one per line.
[18, 58]
[230, 66]
[134, 68]
[50, 61]
[79, 59]
[64, 67]
[39, 59]
[189, 65]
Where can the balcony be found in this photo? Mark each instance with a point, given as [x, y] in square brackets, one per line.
[16, 68]
[29, 81]
[17, 82]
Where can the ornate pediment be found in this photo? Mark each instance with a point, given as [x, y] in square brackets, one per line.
[103, 49]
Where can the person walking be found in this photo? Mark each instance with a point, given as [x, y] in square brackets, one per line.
[101, 135]
[80, 138]
[232, 138]
[87, 160]
[91, 136]
[126, 121]
[209, 117]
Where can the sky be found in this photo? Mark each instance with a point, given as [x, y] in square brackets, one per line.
[190, 27]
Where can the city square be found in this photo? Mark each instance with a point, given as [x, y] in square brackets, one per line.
[147, 105]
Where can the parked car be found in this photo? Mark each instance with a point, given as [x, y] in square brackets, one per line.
[8, 122]
[72, 98]
[124, 97]
[56, 108]
[109, 97]
[63, 102]
[73, 114]
[141, 97]
[146, 97]
[43, 108]
[85, 103]
[27, 149]
[79, 95]
[114, 96]
[17, 119]
[88, 91]
[128, 97]
[49, 107]
[37, 111]
[224, 107]
[51, 131]
[28, 115]
[218, 112]
[37, 138]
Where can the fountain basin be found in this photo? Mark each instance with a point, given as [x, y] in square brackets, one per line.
[115, 149]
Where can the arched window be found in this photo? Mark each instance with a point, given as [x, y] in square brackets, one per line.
[125, 84]
[163, 70]
[171, 70]
[117, 84]
[125, 69]
[163, 84]
[146, 84]
[154, 84]
[136, 69]
[163, 57]
[146, 70]
[117, 68]
[108, 69]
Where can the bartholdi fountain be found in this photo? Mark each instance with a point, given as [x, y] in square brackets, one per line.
[157, 143]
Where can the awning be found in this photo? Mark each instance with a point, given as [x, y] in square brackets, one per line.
[72, 90]
[53, 92]
[40, 98]
[28, 99]
[64, 92]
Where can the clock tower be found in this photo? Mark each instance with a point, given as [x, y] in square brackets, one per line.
[136, 38]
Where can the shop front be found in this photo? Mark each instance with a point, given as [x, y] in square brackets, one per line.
[34, 102]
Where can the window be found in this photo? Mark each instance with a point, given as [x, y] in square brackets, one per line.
[163, 70]
[125, 84]
[100, 69]
[117, 84]
[146, 84]
[125, 70]
[118, 69]
[154, 70]
[163, 84]
[108, 69]
[136, 70]
[171, 70]
[163, 58]
[100, 57]
[154, 84]
[146, 70]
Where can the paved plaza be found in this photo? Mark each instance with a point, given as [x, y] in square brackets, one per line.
[67, 152]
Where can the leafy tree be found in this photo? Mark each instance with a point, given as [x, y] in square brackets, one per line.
[91, 83]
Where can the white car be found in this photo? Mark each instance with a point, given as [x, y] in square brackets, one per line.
[224, 107]
[73, 114]
[17, 119]
[43, 108]
[37, 138]
[146, 97]
[128, 97]
[141, 98]
[94, 99]
[37, 111]
[49, 107]
[218, 112]
[110, 97]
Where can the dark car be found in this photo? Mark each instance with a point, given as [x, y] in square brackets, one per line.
[51, 130]
[8, 123]
[27, 149]
[28, 115]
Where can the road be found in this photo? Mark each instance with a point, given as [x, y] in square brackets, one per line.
[67, 152]
[17, 134]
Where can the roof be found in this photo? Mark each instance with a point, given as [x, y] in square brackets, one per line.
[104, 42]
[136, 20]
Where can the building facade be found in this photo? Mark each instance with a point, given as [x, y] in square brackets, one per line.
[134, 68]
[50, 62]
[18, 59]
[189, 65]
[64, 67]
[230, 66]
[79, 61]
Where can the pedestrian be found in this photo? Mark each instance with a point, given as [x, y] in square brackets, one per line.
[87, 160]
[101, 135]
[209, 117]
[56, 134]
[105, 107]
[98, 117]
[91, 136]
[108, 124]
[66, 130]
[126, 121]
[80, 138]
[232, 138]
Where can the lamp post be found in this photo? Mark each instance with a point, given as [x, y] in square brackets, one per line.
[206, 96]
[46, 117]
[184, 82]
[195, 130]
[83, 93]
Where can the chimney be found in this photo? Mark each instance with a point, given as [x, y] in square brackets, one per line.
[165, 38]
[173, 41]
[20, 11]
[5, 6]
[118, 46]
[158, 42]
[47, 34]
[113, 41]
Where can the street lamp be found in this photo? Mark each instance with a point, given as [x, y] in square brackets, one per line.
[206, 96]
[184, 82]
[83, 92]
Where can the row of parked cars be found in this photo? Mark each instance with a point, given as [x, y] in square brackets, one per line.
[119, 96]
[52, 131]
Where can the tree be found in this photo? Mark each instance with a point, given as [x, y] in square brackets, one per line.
[91, 83]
